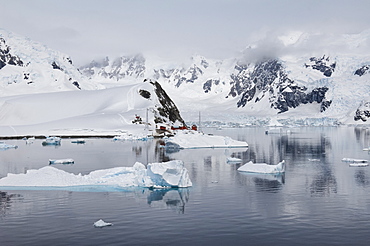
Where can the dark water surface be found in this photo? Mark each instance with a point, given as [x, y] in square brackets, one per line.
[319, 201]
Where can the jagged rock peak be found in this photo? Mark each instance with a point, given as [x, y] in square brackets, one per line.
[116, 69]
[269, 80]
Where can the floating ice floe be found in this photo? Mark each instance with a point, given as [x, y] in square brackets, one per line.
[61, 161]
[30, 140]
[170, 174]
[354, 160]
[355, 164]
[101, 223]
[4, 146]
[129, 137]
[52, 141]
[78, 141]
[233, 160]
[188, 139]
[263, 167]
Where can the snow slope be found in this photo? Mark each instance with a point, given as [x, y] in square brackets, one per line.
[38, 69]
[86, 112]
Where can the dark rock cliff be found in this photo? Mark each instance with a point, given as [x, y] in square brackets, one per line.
[6, 57]
[268, 79]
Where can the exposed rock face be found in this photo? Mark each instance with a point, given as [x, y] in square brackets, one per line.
[167, 107]
[6, 57]
[322, 64]
[362, 70]
[269, 79]
[363, 112]
[207, 86]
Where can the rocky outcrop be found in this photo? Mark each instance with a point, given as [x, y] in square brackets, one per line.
[363, 112]
[166, 110]
[362, 70]
[6, 58]
[268, 79]
[322, 64]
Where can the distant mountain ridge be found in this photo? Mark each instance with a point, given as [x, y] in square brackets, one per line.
[274, 85]
[295, 85]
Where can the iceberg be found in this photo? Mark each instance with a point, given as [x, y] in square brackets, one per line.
[354, 160]
[263, 167]
[52, 141]
[61, 161]
[233, 160]
[188, 139]
[30, 140]
[170, 174]
[4, 146]
[101, 223]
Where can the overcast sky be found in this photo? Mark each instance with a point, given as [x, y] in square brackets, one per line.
[88, 29]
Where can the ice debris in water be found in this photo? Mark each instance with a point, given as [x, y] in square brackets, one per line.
[187, 139]
[354, 160]
[61, 161]
[263, 167]
[4, 146]
[101, 223]
[166, 174]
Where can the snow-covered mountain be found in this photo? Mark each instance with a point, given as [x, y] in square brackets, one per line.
[331, 84]
[285, 86]
[43, 93]
[30, 67]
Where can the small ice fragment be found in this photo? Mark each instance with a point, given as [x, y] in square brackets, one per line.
[234, 160]
[78, 141]
[5, 146]
[101, 223]
[354, 160]
[356, 164]
[263, 167]
[61, 161]
[51, 141]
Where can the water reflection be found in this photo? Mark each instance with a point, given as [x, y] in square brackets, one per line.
[174, 199]
[324, 182]
[6, 201]
[362, 135]
[263, 182]
[361, 178]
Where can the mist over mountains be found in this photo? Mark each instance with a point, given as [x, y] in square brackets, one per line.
[280, 79]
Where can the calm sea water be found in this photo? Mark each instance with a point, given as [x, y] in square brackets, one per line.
[319, 201]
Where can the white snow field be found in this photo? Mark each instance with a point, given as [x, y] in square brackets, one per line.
[86, 112]
[157, 175]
